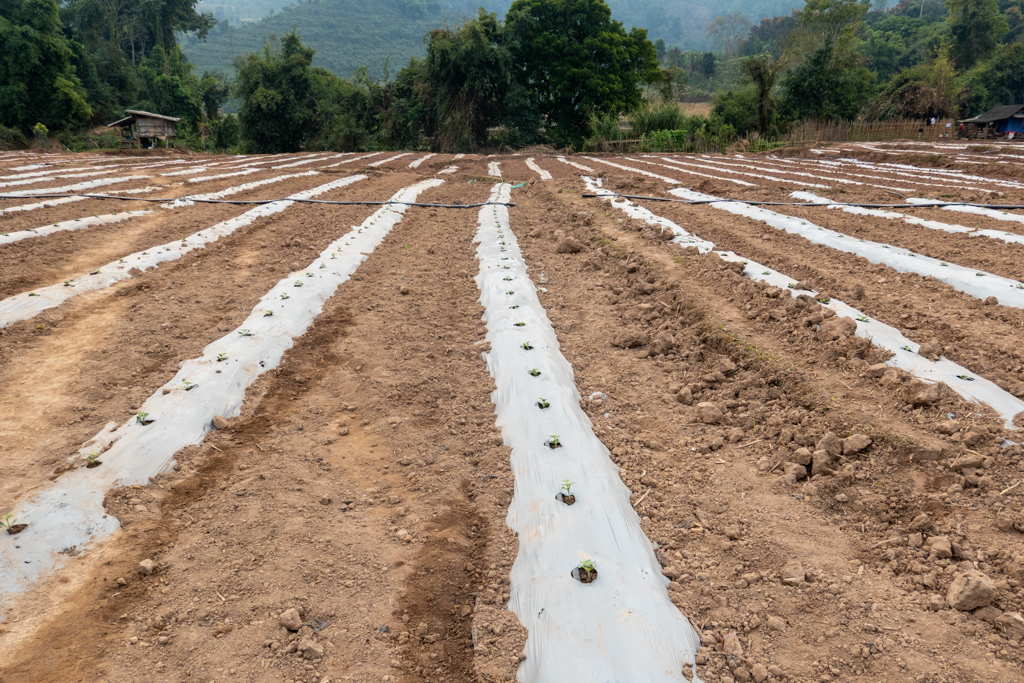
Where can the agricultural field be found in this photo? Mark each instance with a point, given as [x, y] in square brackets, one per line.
[406, 417]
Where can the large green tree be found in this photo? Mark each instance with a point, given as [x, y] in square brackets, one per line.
[975, 27]
[577, 62]
[823, 90]
[38, 83]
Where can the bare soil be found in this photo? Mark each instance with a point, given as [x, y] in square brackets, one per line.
[365, 487]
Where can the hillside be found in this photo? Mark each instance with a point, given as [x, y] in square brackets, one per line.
[347, 36]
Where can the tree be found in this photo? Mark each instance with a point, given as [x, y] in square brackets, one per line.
[37, 80]
[577, 62]
[213, 93]
[975, 27]
[275, 87]
[820, 89]
[659, 49]
[1003, 75]
[727, 31]
[763, 71]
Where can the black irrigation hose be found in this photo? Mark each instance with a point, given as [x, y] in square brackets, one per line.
[588, 195]
[253, 201]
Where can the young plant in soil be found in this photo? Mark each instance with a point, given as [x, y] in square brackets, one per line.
[285, 296]
[520, 324]
[298, 283]
[221, 357]
[553, 442]
[92, 461]
[143, 418]
[268, 314]
[527, 346]
[189, 386]
[586, 572]
[543, 403]
[566, 497]
[12, 525]
[535, 372]
[862, 318]
[245, 332]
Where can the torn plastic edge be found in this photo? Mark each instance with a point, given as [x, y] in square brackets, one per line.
[623, 626]
[69, 512]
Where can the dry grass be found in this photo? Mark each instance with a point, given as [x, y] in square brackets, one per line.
[696, 108]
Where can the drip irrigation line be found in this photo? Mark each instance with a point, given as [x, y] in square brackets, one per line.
[930, 205]
[199, 200]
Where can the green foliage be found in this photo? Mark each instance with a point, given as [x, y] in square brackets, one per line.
[738, 109]
[975, 27]
[647, 118]
[1003, 76]
[577, 62]
[762, 71]
[824, 89]
[37, 79]
[12, 138]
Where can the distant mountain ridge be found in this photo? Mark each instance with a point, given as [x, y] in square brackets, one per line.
[348, 34]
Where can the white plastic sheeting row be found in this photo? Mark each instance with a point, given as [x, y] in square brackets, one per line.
[384, 161]
[189, 200]
[493, 169]
[416, 164]
[29, 304]
[978, 284]
[77, 187]
[73, 224]
[69, 513]
[622, 627]
[581, 167]
[913, 220]
[679, 168]
[971, 387]
[708, 165]
[532, 165]
[976, 210]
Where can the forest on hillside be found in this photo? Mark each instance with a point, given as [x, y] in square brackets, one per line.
[347, 37]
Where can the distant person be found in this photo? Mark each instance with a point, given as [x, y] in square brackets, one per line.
[960, 132]
[933, 121]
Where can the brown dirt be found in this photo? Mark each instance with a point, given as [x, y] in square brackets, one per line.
[379, 422]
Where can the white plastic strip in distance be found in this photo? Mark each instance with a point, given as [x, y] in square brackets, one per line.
[575, 165]
[968, 385]
[711, 166]
[532, 165]
[493, 169]
[977, 210]
[69, 512]
[29, 304]
[349, 161]
[913, 220]
[73, 224]
[671, 181]
[976, 283]
[191, 199]
[100, 182]
[52, 178]
[621, 627]
[416, 164]
[384, 161]
[244, 171]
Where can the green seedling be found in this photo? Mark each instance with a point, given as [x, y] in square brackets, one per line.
[535, 372]
[507, 267]
[67, 283]
[1020, 286]
[92, 459]
[245, 332]
[766, 272]
[587, 565]
[121, 261]
[980, 274]
[554, 441]
[527, 346]
[520, 324]
[268, 314]
[824, 300]
[965, 377]
[32, 294]
[511, 291]
[221, 357]
[189, 386]
[8, 522]
[943, 264]
[308, 274]
[862, 318]
[543, 403]
[792, 285]
[95, 272]
[143, 418]
[285, 296]
[322, 265]
[514, 307]
[508, 279]
[907, 348]
[298, 283]
[567, 487]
